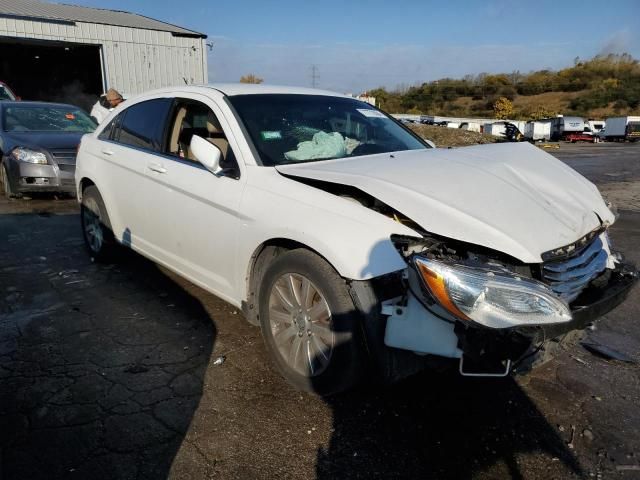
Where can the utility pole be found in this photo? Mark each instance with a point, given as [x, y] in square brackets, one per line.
[314, 76]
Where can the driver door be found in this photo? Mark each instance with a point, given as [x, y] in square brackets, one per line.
[194, 221]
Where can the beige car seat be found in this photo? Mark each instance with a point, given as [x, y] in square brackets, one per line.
[174, 143]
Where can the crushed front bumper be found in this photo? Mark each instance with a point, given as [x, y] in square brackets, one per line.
[524, 346]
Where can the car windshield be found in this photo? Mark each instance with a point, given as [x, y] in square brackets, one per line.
[287, 128]
[46, 118]
[5, 94]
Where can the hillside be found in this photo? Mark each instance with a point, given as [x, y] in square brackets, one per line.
[600, 87]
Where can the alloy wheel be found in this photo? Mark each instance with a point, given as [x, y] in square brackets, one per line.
[301, 324]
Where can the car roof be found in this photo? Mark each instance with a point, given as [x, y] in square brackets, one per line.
[233, 89]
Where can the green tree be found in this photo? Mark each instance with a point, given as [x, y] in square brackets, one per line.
[539, 112]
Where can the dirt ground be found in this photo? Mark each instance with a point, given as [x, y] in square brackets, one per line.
[451, 137]
[127, 371]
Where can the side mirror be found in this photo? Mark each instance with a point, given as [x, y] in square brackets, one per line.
[207, 154]
[430, 143]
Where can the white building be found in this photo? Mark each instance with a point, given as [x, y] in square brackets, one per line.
[63, 52]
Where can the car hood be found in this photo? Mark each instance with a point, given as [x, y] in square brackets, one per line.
[513, 198]
[45, 140]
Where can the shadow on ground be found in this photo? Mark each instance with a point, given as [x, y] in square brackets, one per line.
[101, 367]
[439, 426]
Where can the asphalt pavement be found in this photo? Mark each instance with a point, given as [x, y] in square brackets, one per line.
[128, 371]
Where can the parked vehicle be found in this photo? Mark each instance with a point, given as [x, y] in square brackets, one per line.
[595, 125]
[623, 128]
[582, 137]
[563, 126]
[504, 129]
[497, 129]
[470, 126]
[6, 93]
[602, 135]
[38, 144]
[537, 131]
[345, 237]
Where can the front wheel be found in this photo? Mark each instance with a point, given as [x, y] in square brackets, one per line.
[96, 227]
[309, 323]
[5, 182]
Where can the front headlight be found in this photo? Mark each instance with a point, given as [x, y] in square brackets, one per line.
[495, 300]
[30, 156]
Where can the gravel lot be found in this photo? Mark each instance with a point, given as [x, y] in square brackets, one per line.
[111, 372]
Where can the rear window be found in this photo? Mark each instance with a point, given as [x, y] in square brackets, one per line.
[45, 118]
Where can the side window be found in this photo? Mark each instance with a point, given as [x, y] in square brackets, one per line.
[195, 118]
[143, 124]
[109, 130]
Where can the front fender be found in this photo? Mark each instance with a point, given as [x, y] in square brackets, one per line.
[355, 240]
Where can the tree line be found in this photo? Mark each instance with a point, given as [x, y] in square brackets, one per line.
[605, 81]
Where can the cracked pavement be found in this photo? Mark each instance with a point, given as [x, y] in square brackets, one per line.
[110, 371]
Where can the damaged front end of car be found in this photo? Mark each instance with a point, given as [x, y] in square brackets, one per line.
[493, 314]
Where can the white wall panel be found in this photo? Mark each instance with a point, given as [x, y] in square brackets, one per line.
[136, 60]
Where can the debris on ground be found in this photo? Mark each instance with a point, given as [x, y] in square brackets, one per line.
[628, 468]
[606, 352]
[570, 444]
[579, 360]
[220, 360]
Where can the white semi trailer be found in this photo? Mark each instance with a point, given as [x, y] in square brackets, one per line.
[561, 127]
[622, 128]
[537, 131]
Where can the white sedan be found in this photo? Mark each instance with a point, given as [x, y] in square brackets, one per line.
[355, 245]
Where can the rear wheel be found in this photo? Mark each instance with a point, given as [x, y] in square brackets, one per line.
[309, 323]
[96, 228]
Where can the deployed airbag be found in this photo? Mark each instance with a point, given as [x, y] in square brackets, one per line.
[322, 145]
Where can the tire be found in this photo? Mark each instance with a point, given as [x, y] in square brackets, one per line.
[96, 227]
[5, 182]
[325, 326]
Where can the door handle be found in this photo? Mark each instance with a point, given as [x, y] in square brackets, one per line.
[156, 168]
[107, 152]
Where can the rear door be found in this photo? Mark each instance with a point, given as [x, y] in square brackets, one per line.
[129, 145]
[194, 218]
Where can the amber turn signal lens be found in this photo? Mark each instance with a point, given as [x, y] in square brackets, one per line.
[436, 285]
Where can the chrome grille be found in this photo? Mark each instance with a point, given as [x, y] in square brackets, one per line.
[570, 275]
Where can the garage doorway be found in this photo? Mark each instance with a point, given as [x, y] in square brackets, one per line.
[52, 71]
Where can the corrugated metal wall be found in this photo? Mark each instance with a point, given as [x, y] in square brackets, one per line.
[134, 60]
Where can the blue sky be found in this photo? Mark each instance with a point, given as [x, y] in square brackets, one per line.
[358, 44]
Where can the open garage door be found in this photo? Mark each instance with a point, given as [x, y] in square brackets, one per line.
[52, 71]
